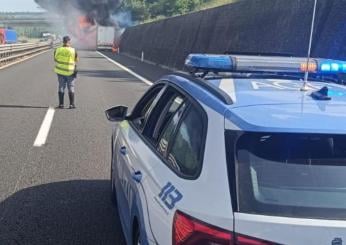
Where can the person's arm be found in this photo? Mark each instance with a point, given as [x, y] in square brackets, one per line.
[76, 57]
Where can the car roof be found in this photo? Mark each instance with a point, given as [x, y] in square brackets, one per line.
[272, 105]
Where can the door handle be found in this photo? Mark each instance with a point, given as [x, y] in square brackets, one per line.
[137, 176]
[123, 150]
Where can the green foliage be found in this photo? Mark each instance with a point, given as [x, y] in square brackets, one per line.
[146, 10]
[185, 6]
[137, 8]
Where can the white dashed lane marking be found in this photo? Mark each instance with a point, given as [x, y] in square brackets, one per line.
[45, 127]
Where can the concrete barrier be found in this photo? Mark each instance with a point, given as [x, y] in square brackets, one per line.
[265, 26]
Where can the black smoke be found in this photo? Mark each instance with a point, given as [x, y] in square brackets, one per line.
[98, 10]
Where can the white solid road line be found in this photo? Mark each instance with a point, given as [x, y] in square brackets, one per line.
[127, 69]
[45, 127]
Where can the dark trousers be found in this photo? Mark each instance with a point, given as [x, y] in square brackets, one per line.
[66, 81]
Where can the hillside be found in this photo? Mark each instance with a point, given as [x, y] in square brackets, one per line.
[148, 10]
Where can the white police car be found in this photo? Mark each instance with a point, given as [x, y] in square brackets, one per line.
[244, 157]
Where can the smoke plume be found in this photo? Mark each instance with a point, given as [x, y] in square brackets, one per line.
[98, 10]
[81, 18]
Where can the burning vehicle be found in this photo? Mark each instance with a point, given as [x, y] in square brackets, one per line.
[82, 18]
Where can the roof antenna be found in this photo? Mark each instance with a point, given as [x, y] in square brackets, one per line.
[306, 76]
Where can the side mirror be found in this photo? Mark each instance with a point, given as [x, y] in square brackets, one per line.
[117, 114]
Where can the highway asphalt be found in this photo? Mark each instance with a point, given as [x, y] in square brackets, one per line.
[150, 71]
[59, 193]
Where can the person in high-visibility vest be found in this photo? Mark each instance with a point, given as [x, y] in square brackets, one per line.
[66, 58]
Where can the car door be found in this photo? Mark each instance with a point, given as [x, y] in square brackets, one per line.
[144, 156]
[128, 148]
[146, 150]
[176, 133]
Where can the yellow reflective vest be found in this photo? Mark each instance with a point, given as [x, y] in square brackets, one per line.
[65, 61]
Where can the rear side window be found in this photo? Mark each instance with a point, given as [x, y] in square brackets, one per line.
[187, 146]
[294, 175]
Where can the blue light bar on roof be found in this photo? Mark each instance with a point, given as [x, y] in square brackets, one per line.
[332, 66]
[246, 63]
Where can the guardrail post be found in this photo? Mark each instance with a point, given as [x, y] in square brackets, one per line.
[142, 57]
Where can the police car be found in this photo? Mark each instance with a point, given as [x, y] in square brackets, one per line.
[245, 151]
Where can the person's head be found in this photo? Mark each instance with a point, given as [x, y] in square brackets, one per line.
[66, 41]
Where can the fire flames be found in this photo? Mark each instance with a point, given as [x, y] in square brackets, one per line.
[82, 18]
[83, 30]
[85, 22]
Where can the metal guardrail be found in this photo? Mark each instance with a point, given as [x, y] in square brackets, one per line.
[11, 52]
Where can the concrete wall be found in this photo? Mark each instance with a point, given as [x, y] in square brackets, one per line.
[269, 26]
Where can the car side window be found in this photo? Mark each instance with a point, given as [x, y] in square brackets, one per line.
[167, 133]
[185, 155]
[142, 110]
[168, 104]
[171, 108]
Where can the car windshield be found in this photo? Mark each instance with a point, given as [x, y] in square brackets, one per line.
[293, 175]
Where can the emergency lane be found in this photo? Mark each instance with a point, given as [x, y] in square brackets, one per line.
[59, 193]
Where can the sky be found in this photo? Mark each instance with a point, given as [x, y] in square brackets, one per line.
[19, 6]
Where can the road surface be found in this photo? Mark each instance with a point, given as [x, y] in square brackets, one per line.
[59, 193]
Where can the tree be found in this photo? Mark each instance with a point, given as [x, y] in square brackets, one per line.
[186, 6]
[162, 7]
[151, 9]
[138, 9]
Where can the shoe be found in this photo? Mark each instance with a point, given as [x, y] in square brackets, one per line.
[61, 107]
[72, 107]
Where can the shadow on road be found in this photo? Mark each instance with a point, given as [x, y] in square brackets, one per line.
[90, 57]
[72, 212]
[23, 107]
[117, 75]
